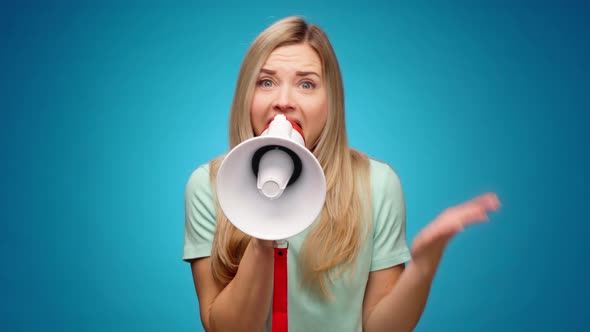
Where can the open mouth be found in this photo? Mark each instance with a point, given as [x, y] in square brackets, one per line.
[297, 123]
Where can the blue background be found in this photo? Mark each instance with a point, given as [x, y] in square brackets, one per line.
[106, 109]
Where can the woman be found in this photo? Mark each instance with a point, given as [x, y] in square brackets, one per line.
[347, 272]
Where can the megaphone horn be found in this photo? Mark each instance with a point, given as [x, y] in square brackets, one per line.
[272, 187]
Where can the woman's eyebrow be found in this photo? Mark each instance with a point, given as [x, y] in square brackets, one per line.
[306, 73]
[268, 71]
[297, 73]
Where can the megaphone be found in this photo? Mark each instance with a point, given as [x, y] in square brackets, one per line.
[272, 187]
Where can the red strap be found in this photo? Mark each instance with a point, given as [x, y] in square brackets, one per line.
[279, 297]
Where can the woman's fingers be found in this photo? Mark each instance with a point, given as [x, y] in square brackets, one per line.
[489, 201]
[472, 211]
[454, 220]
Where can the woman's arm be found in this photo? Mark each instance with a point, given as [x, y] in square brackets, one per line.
[398, 299]
[244, 304]
[394, 300]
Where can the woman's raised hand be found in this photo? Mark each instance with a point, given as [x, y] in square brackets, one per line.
[429, 244]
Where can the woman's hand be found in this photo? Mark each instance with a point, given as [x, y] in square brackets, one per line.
[429, 244]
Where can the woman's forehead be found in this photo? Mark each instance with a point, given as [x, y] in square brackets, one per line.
[297, 57]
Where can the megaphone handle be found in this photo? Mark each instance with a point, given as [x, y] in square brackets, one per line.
[280, 321]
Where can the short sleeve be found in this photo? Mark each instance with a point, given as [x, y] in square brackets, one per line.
[389, 218]
[199, 221]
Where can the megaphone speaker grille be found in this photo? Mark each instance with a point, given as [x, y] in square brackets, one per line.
[296, 160]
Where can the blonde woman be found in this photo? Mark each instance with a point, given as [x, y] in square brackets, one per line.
[345, 273]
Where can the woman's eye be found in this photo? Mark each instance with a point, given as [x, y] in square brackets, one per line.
[265, 83]
[307, 85]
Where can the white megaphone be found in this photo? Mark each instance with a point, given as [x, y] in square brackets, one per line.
[272, 187]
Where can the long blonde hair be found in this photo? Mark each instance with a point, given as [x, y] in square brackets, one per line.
[334, 242]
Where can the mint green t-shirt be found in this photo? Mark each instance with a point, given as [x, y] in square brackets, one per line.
[384, 247]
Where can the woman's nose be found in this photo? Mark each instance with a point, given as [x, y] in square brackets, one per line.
[284, 100]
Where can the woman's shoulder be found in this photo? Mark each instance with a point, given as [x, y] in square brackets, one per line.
[198, 185]
[199, 174]
[203, 171]
[385, 181]
[200, 177]
[378, 168]
[381, 170]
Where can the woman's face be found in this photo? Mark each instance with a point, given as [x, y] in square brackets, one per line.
[290, 82]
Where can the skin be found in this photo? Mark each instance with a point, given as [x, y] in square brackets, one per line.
[290, 83]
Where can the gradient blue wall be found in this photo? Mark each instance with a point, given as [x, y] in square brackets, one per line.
[106, 109]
